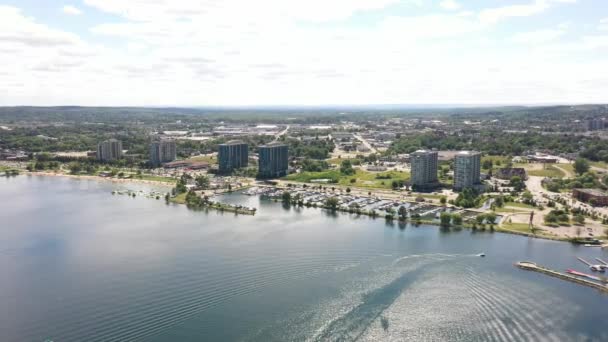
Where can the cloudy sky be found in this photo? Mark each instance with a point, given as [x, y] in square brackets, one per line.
[302, 52]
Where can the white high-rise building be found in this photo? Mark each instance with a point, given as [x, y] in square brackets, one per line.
[424, 168]
[467, 170]
[162, 151]
[109, 150]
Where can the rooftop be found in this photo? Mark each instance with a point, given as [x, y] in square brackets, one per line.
[593, 192]
[468, 153]
[234, 142]
[274, 144]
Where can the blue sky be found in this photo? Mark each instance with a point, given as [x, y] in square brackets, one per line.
[315, 52]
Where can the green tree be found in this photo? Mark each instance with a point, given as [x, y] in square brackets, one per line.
[579, 219]
[402, 213]
[75, 168]
[491, 218]
[445, 219]
[581, 165]
[202, 182]
[499, 201]
[346, 168]
[487, 164]
[517, 183]
[331, 203]
[286, 197]
[443, 200]
[457, 219]
[528, 197]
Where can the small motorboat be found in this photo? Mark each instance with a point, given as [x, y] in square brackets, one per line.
[482, 255]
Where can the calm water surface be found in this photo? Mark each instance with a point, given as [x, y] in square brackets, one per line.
[79, 264]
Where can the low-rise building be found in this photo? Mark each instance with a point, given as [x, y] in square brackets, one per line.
[536, 158]
[509, 172]
[593, 196]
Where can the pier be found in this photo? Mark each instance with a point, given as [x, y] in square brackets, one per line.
[530, 266]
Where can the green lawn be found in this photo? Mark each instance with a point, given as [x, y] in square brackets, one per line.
[549, 171]
[363, 179]
[519, 205]
[180, 199]
[602, 165]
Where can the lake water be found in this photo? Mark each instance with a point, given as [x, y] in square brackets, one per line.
[79, 264]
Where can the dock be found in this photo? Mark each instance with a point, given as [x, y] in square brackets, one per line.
[530, 266]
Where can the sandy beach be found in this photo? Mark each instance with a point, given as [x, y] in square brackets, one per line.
[98, 178]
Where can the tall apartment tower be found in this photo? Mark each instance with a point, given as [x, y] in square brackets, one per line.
[162, 151]
[424, 168]
[467, 170]
[274, 160]
[109, 150]
[233, 155]
[594, 124]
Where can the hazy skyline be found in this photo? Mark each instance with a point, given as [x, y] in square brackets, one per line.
[284, 52]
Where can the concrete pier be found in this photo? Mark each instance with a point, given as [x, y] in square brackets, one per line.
[530, 266]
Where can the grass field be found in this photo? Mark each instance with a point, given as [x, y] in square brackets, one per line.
[512, 207]
[601, 165]
[519, 205]
[548, 170]
[363, 179]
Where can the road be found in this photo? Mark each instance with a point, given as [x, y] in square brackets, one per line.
[366, 143]
[567, 173]
[283, 132]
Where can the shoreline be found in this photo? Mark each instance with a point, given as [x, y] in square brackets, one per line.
[98, 178]
[498, 228]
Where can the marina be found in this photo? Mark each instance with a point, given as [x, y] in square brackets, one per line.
[419, 211]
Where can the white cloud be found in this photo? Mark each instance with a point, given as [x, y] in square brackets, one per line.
[71, 10]
[449, 5]
[603, 26]
[537, 37]
[494, 15]
[311, 10]
[15, 28]
[236, 52]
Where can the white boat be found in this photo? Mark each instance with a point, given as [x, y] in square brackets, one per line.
[481, 255]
